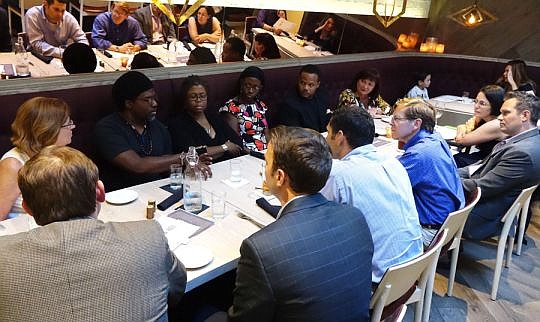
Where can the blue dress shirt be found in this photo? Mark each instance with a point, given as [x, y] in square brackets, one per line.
[379, 187]
[434, 177]
[105, 33]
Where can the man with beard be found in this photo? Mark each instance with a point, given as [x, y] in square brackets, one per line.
[307, 105]
[134, 146]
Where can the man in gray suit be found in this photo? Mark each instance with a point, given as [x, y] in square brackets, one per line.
[314, 262]
[75, 267]
[514, 164]
[155, 24]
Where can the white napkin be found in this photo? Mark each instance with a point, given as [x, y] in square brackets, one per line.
[177, 231]
[236, 184]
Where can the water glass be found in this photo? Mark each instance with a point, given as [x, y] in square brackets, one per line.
[235, 174]
[175, 177]
[192, 195]
[218, 205]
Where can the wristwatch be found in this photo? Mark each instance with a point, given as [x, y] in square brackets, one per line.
[225, 147]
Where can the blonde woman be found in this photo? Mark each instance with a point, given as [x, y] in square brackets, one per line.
[40, 121]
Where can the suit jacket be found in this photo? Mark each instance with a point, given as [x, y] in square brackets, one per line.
[312, 264]
[87, 270]
[144, 17]
[502, 176]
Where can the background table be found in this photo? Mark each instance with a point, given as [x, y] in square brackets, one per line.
[290, 48]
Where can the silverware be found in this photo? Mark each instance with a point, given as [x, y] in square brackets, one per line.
[251, 220]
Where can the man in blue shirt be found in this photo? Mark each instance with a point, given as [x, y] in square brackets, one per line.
[433, 173]
[117, 31]
[50, 28]
[376, 184]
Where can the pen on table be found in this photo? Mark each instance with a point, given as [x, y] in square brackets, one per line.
[30, 63]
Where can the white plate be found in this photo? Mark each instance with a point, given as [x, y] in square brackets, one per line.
[121, 197]
[194, 256]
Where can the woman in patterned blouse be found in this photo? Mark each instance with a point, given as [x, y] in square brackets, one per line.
[364, 93]
[245, 113]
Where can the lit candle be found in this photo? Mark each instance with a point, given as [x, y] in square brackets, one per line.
[424, 47]
[440, 48]
[402, 38]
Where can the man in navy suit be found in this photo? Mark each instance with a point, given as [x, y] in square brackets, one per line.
[513, 165]
[314, 262]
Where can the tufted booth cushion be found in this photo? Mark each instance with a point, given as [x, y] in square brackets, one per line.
[450, 75]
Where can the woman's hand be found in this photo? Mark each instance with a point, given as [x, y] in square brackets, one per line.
[205, 158]
[205, 169]
[511, 80]
[233, 149]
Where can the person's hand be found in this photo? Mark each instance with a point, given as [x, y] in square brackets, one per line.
[205, 158]
[511, 81]
[232, 148]
[205, 170]
[277, 31]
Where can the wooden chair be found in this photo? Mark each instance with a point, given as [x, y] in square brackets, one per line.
[455, 222]
[518, 208]
[88, 8]
[406, 283]
[20, 11]
[249, 22]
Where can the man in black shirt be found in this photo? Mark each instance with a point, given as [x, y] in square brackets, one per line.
[306, 106]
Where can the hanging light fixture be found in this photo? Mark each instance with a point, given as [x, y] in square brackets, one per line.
[388, 17]
[473, 16]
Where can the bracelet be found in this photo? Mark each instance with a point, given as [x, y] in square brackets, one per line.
[224, 147]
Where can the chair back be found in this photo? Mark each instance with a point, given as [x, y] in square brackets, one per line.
[521, 202]
[398, 279]
[249, 22]
[455, 222]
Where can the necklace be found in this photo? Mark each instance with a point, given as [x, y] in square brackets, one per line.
[144, 140]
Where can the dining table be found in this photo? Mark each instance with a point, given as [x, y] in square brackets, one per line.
[293, 47]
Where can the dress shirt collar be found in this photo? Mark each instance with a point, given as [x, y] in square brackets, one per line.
[417, 137]
[519, 136]
[361, 150]
[286, 204]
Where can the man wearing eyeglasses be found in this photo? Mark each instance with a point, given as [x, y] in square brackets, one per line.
[377, 185]
[513, 165]
[134, 146]
[432, 170]
[117, 31]
[50, 28]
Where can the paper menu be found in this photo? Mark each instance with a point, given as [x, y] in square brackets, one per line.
[284, 25]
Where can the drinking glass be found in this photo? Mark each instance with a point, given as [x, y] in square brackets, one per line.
[124, 61]
[175, 177]
[235, 172]
[218, 205]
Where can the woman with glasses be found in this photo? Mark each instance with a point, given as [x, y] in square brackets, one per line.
[246, 112]
[194, 126]
[39, 122]
[482, 130]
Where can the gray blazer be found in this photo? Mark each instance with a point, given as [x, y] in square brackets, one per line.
[312, 264]
[87, 270]
[501, 176]
[144, 17]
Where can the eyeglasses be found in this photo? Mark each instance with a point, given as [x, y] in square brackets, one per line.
[199, 97]
[394, 119]
[481, 103]
[69, 124]
[251, 87]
